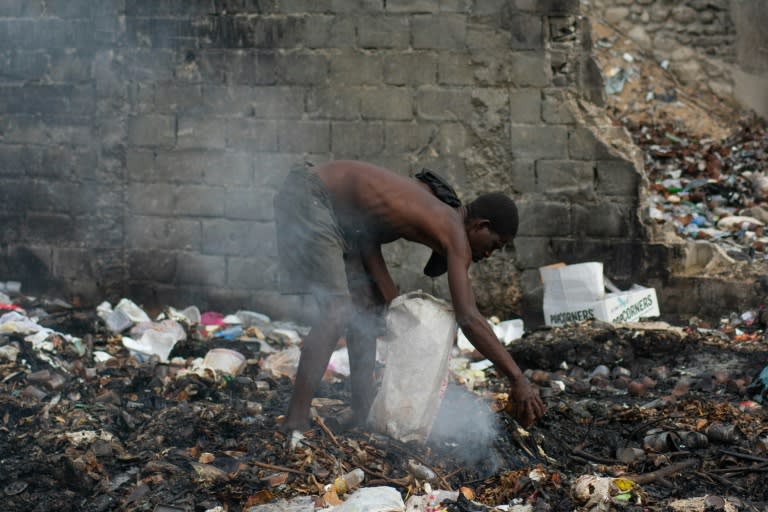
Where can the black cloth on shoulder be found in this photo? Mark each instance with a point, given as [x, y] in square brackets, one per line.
[438, 263]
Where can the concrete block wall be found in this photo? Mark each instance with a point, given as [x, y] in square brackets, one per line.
[142, 142]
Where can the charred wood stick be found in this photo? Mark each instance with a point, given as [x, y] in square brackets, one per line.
[275, 467]
[594, 458]
[741, 469]
[327, 431]
[403, 482]
[721, 480]
[662, 473]
[745, 456]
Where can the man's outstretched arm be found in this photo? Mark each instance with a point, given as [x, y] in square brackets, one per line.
[526, 403]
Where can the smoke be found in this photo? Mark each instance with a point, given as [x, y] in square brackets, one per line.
[467, 428]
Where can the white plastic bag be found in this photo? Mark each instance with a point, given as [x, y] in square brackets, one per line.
[373, 499]
[421, 330]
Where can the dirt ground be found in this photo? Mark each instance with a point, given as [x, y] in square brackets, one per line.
[668, 408]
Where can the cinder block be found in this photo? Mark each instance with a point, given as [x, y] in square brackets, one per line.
[151, 198]
[463, 6]
[331, 32]
[583, 144]
[383, 31]
[455, 69]
[201, 132]
[257, 272]
[345, 6]
[199, 201]
[251, 134]
[526, 31]
[25, 64]
[555, 108]
[443, 104]
[355, 68]
[276, 102]
[408, 136]
[50, 196]
[539, 217]
[155, 266]
[355, 140]
[529, 69]
[575, 180]
[389, 103]
[548, 7]
[99, 231]
[617, 178]
[413, 6]
[417, 68]
[72, 263]
[11, 224]
[525, 106]
[150, 233]
[16, 161]
[151, 130]
[249, 204]
[444, 31]
[304, 6]
[230, 237]
[522, 176]
[172, 97]
[334, 102]
[301, 68]
[229, 169]
[533, 252]
[50, 228]
[536, 142]
[200, 269]
[452, 138]
[605, 219]
[94, 198]
[303, 136]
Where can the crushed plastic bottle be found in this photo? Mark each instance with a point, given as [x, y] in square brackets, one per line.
[347, 482]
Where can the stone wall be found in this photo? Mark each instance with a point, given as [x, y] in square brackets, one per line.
[696, 37]
[141, 142]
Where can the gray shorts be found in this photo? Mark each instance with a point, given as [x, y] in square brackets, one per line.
[310, 243]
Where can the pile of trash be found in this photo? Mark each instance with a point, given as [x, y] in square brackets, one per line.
[110, 409]
[710, 190]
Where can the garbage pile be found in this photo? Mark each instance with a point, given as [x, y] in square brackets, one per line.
[111, 409]
[710, 190]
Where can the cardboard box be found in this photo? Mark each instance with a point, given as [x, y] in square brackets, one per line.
[574, 293]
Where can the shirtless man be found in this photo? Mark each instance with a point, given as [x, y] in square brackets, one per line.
[331, 223]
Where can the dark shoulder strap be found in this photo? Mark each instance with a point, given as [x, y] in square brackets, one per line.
[440, 188]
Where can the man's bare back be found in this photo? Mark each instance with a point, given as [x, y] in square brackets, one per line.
[387, 205]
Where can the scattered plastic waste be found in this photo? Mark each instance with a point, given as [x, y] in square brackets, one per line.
[373, 499]
[151, 343]
[224, 360]
[596, 493]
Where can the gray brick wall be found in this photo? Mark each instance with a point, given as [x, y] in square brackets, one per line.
[142, 142]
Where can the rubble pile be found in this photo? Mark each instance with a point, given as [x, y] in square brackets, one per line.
[710, 190]
[641, 417]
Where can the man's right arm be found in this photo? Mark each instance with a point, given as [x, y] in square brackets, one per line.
[527, 405]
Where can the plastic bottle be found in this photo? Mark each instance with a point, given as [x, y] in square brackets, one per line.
[347, 482]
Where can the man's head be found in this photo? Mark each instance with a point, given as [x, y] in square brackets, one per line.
[491, 223]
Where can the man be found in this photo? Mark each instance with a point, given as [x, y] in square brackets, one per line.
[331, 223]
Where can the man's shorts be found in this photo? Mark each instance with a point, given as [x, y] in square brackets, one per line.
[310, 243]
